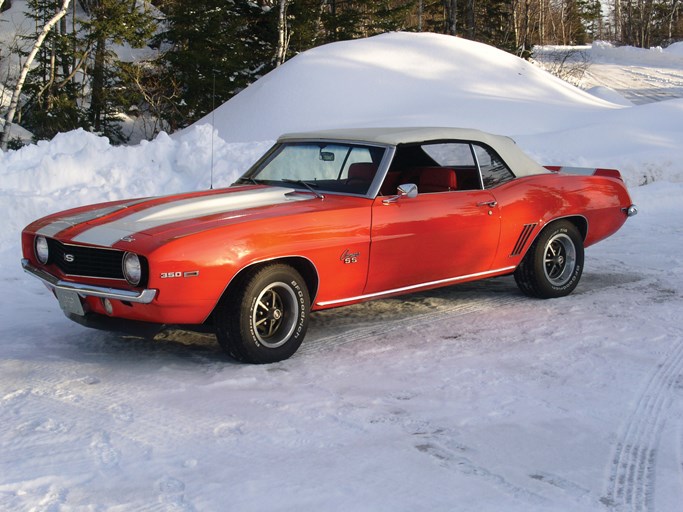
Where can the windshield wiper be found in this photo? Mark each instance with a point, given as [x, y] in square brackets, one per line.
[306, 184]
[249, 179]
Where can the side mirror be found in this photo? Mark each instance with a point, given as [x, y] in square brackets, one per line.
[408, 190]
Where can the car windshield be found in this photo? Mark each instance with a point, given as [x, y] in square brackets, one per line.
[320, 167]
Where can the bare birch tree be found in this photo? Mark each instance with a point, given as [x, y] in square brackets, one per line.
[14, 102]
[282, 33]
[618, 21]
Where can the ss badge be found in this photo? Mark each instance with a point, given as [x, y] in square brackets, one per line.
[349, 257]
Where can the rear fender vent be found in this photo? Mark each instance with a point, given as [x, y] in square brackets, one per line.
[523, 239]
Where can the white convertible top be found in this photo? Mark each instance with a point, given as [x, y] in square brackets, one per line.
[517, 160]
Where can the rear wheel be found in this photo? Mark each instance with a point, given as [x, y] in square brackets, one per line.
[263, 317]
[553, 264]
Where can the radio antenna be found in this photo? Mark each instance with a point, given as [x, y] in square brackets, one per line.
[213, 123]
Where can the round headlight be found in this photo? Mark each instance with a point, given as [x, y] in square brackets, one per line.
[132, 269]
[42, 250]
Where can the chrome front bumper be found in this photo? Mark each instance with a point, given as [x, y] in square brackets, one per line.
[84, 290]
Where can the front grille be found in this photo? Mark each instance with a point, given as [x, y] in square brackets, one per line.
[79, 260]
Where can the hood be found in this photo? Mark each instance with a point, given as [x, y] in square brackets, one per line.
[107, 225]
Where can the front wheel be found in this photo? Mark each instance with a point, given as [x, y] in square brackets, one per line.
[264, 316]
[553, 264]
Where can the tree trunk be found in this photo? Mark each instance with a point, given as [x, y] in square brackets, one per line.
[541, 22]
[97, 98]
[469, 19]
[333, 17]
[451, 14]
[64, 32]
[528, 26]
[672, 18]
[617, 21]
[515, 24]
[14, 102]
[420, 9]
[282, 33]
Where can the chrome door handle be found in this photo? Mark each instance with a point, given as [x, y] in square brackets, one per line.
[490, 204]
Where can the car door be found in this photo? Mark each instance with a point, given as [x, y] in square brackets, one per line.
[433, 237]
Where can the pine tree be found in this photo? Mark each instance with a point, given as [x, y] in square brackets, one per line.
[215, 46]
[590, 12]
[389, 15]
[76, 80]
[119, 22]
[493, 24]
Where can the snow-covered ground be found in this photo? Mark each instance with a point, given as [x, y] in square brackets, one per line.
[636, 75]
[469, 398]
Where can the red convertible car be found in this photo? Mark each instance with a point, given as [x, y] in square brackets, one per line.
[323, 220]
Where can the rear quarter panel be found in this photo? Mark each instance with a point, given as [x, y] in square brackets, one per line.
[539, 200]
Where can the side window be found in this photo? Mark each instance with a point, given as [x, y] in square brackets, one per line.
[494, 172]
[459, 157]
[451, 154]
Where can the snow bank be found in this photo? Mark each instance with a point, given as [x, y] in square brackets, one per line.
[605, 52]
[78, 167]
[643, 142]
[609, 94]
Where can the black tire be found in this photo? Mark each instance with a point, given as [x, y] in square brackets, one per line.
[264, 315]
[553, 265]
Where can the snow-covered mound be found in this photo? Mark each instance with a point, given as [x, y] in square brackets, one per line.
[609, 94]
[404, 79]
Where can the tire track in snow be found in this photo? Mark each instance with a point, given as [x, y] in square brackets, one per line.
[443, 303]
[98, 433]
[654, 84]
[632, 473]
[458, 304]
[459, 462]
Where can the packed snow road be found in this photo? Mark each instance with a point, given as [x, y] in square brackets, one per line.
[468, 398]
[657, 84]
[640, 76]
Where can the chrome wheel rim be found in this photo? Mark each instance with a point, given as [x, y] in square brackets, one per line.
[274, 316]
[559, 259]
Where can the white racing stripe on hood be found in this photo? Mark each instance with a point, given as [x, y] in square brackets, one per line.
[68, 222]
[185, 209]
